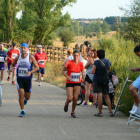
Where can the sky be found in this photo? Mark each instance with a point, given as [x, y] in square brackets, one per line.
[96, 8]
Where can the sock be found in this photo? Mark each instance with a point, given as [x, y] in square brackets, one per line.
[23, 110]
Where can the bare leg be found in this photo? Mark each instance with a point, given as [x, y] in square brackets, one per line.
[108, 102]
[100, 102]
[21, 98]
[87, 93]
[2, 72]
[14, 74]
[27, 95]
[94, 97]
[69, 91]
[134, 93]
[39, 77]
[75, 97]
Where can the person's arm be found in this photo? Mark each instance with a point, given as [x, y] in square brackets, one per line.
[36, 67]
[64, 73]
[14, 63]
[93, 69]
[88, 63]
[83, 75]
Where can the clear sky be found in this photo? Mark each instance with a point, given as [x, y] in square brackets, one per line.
[96, 8]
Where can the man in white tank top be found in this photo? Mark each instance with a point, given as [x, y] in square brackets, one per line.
[24, 75]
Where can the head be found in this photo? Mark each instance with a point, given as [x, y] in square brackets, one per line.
[70, 51]
[83, 51]
[137, 50]
[1, 47]
[94, 53]
[39, 48]
[89, 55]
[101, 54]
[14, 45]
[76, 55]
[24, 48]
[87, 43]
[77, 47]
[88, 48]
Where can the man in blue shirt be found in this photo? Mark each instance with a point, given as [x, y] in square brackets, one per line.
[2, 60]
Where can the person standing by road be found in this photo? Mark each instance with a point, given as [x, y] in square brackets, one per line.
[73, 83]
[24, 75]
[11, 55]
[41, 59]
[2, 60]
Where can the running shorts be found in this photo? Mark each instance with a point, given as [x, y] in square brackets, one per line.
[2, 67]
[72, 84]
[9, 64]
[26, 84]
[41, 70]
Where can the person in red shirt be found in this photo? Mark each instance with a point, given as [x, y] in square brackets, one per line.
[11, 55]
[41, 58]
[73, 83]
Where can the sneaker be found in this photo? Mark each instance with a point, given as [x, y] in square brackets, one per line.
[1, 83]
[85, 104]
[134, 110]
[73, 115]
[8, 79]
[66, 108]
[13, 82]
[25, 101]
[39, 84]
[22, 114]
[95, 105]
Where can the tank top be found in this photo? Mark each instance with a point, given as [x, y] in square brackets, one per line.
[23, 66]
[89, 69]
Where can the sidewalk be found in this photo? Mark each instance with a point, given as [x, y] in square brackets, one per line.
[46, 120]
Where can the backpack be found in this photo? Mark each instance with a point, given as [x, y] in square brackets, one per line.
[103, 78]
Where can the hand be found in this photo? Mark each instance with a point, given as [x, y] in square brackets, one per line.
[68, 78]
[11, 69]
[29, 73]
[133, 69]
[9, 58]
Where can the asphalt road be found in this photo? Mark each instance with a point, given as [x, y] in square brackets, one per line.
[46, 120]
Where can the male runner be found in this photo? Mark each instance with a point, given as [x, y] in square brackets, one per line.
[24, 75]
[41, 58]
[2, 60]
[11, 55]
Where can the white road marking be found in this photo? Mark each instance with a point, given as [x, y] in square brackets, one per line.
[63, 131]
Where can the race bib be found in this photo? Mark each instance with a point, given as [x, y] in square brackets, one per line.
[14, 55]
[1, 59]
[41, 62]
[75, 77]
[22, 72]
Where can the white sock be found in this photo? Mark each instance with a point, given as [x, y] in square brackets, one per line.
[23, 110]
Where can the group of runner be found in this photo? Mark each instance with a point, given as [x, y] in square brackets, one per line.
[20, 63]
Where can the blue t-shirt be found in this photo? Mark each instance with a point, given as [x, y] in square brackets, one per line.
[99, 68]
[2, 57]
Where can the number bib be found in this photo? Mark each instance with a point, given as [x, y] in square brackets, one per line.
[14, 55]
[1, 59]
[22, 72]
[41, 62]
[75, 77]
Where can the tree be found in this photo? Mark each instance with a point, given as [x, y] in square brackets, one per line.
[105, 27]
[66, 36]
[131, 29]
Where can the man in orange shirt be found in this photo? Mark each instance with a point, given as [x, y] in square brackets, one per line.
[11, 55]
[41, 58]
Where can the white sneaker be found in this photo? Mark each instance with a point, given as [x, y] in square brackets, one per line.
[134, 110]
[39, 84]
[1, 83]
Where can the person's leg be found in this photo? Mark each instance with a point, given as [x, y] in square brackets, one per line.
[94, 97]
[39, 77]
[69, 91]
[76, 91]
[87, 92]
[9, 72]
[21, 98]
[2, 72]
[108, 102]
[134, 92]
[100, 98]
[13, 76]
[27, 95]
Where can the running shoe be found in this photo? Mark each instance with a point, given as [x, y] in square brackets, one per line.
[66, 108]
[39, 84]
[95, 105]
[25, 101]
[73, 115]
[134, 110]
[8, 79]
[13, 82]
[22, 114]
[85, 104]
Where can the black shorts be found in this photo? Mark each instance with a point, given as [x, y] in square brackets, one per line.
[41, 70]
[104, 89]
[72, 84]
[26, 84]
[88, 79]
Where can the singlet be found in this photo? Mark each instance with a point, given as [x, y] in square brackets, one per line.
[23, 66]
[74, 70]
[12, 54]
[89, 69]
[41, 57]
[2, 57]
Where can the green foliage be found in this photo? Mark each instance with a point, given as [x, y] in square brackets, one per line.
[66, 36]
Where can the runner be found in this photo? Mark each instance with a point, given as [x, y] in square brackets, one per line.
[41, 59]
[73, 83]
[24, 75]
[2, 59]
[11, 55]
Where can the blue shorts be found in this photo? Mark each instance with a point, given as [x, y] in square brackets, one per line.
[2, 67]
[9, 64]
[41, 70]
[136, 83]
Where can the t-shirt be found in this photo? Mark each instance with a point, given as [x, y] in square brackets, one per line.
[99, 68]
[74, 70]
[2, 57]
[12, 54]
[41, 57]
